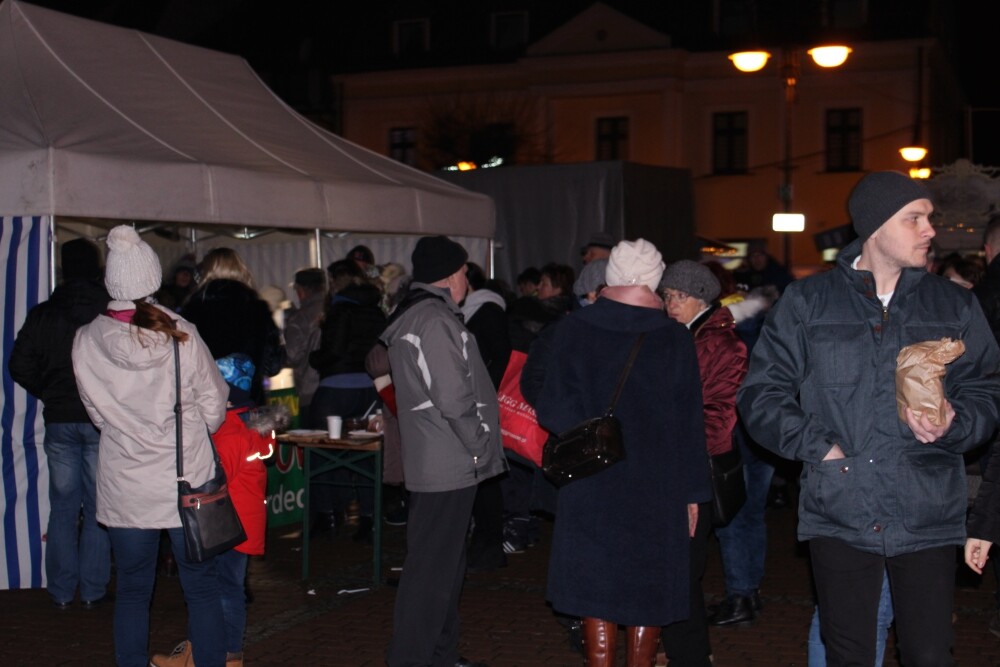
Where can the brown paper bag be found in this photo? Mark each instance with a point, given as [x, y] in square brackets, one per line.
[919, 369]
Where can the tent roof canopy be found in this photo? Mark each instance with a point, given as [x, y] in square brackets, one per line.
[107, 122]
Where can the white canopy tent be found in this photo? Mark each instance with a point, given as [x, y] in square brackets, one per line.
[100, 124]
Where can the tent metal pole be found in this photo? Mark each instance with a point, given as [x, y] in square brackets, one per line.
[493, 267]
[52, 254]
[319, 248]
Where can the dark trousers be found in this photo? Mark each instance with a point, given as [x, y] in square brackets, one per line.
[486, 544]
[848, 585]
[686, 642]
[425, 620]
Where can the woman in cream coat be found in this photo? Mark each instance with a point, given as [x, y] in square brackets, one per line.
[124, 366]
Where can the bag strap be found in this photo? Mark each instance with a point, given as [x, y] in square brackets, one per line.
[624, 376]
[177, 412]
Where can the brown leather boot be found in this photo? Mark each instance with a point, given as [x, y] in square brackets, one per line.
[641, 643]
[599, 639]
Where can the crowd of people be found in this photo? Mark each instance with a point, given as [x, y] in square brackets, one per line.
[697, 361]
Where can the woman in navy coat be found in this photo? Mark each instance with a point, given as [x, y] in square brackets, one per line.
[621, 540]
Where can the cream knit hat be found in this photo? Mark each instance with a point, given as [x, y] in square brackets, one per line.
[132, 270]
[635, 263]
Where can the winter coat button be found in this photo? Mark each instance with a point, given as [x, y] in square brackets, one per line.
[877, 528]
[844, 468]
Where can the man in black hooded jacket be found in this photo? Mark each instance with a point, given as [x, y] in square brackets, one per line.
[77, 556]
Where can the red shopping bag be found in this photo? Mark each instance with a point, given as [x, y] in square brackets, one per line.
[518, 424]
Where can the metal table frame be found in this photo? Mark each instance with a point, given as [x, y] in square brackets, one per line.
[343, 453]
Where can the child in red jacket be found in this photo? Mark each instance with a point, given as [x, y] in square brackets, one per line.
[243, 441]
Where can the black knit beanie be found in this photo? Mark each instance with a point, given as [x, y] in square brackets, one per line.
[878, 196]
[436, 258]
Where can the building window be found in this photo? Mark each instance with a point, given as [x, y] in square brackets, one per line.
[729, 142]
[843, 140]
[411, 37]
[403, 145]
[612, 138]
[509, 30]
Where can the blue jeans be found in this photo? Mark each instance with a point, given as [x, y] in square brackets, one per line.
[817, 649]
[135, 552]
[743, 543]
[232, 569]
[77, 554]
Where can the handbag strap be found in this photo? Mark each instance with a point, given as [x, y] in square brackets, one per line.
[624, 376]
[177, 412]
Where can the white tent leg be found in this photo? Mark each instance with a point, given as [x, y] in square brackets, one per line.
[52, 254]
[318, 253]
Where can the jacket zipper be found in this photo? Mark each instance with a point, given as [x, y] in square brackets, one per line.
[475, 467]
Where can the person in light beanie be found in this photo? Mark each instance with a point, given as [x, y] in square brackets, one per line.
[621, 542]
[124, 367]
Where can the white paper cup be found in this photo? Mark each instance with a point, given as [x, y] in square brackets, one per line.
[334, 426]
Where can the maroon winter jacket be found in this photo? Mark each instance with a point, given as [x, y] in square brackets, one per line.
[722, 360]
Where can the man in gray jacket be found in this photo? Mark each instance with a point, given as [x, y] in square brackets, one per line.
[450, 430]
[879, 492]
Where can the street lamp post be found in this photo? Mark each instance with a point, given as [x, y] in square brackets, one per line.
[753, 61]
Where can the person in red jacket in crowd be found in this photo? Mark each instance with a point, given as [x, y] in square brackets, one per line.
[243, 441]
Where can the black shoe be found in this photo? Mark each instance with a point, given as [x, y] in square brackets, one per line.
[323, 524]
[755, 602]
[487, 563]
[734, 610]
[364, 532]
[89, 605]
[462, 662]
[575, 631]
[62, 606]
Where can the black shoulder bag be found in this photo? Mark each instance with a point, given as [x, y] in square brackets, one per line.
[208, 517]
[591, 446]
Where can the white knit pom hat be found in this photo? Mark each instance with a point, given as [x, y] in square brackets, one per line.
[635, 263]
[132, 270]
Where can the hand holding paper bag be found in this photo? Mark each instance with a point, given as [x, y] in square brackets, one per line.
[919, 369]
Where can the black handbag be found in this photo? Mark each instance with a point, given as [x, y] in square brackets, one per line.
[591, 446]
[729, 490]
[211, 525]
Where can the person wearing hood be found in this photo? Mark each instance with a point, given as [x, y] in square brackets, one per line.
[77, 554]
[124, 362]
[485, 316]
[450, 426]
[621, 541]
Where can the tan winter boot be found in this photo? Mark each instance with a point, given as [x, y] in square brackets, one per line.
[179, 657]
[599, 639]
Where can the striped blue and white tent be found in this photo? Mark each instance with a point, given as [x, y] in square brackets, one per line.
[24, 256]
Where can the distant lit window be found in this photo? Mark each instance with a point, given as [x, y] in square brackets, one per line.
[509, 30]
[411, 37]
[612, 138]
[843, 139]
[403, 145]
[729, 142]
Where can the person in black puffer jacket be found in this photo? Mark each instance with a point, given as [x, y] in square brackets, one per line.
[350, 328]
[232, 319]
[41, 362]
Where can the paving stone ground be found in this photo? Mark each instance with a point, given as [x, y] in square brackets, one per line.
[505, 620]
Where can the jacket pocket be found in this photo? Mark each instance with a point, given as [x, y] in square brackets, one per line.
[828, 493]
[834, 352]
[933, 491]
